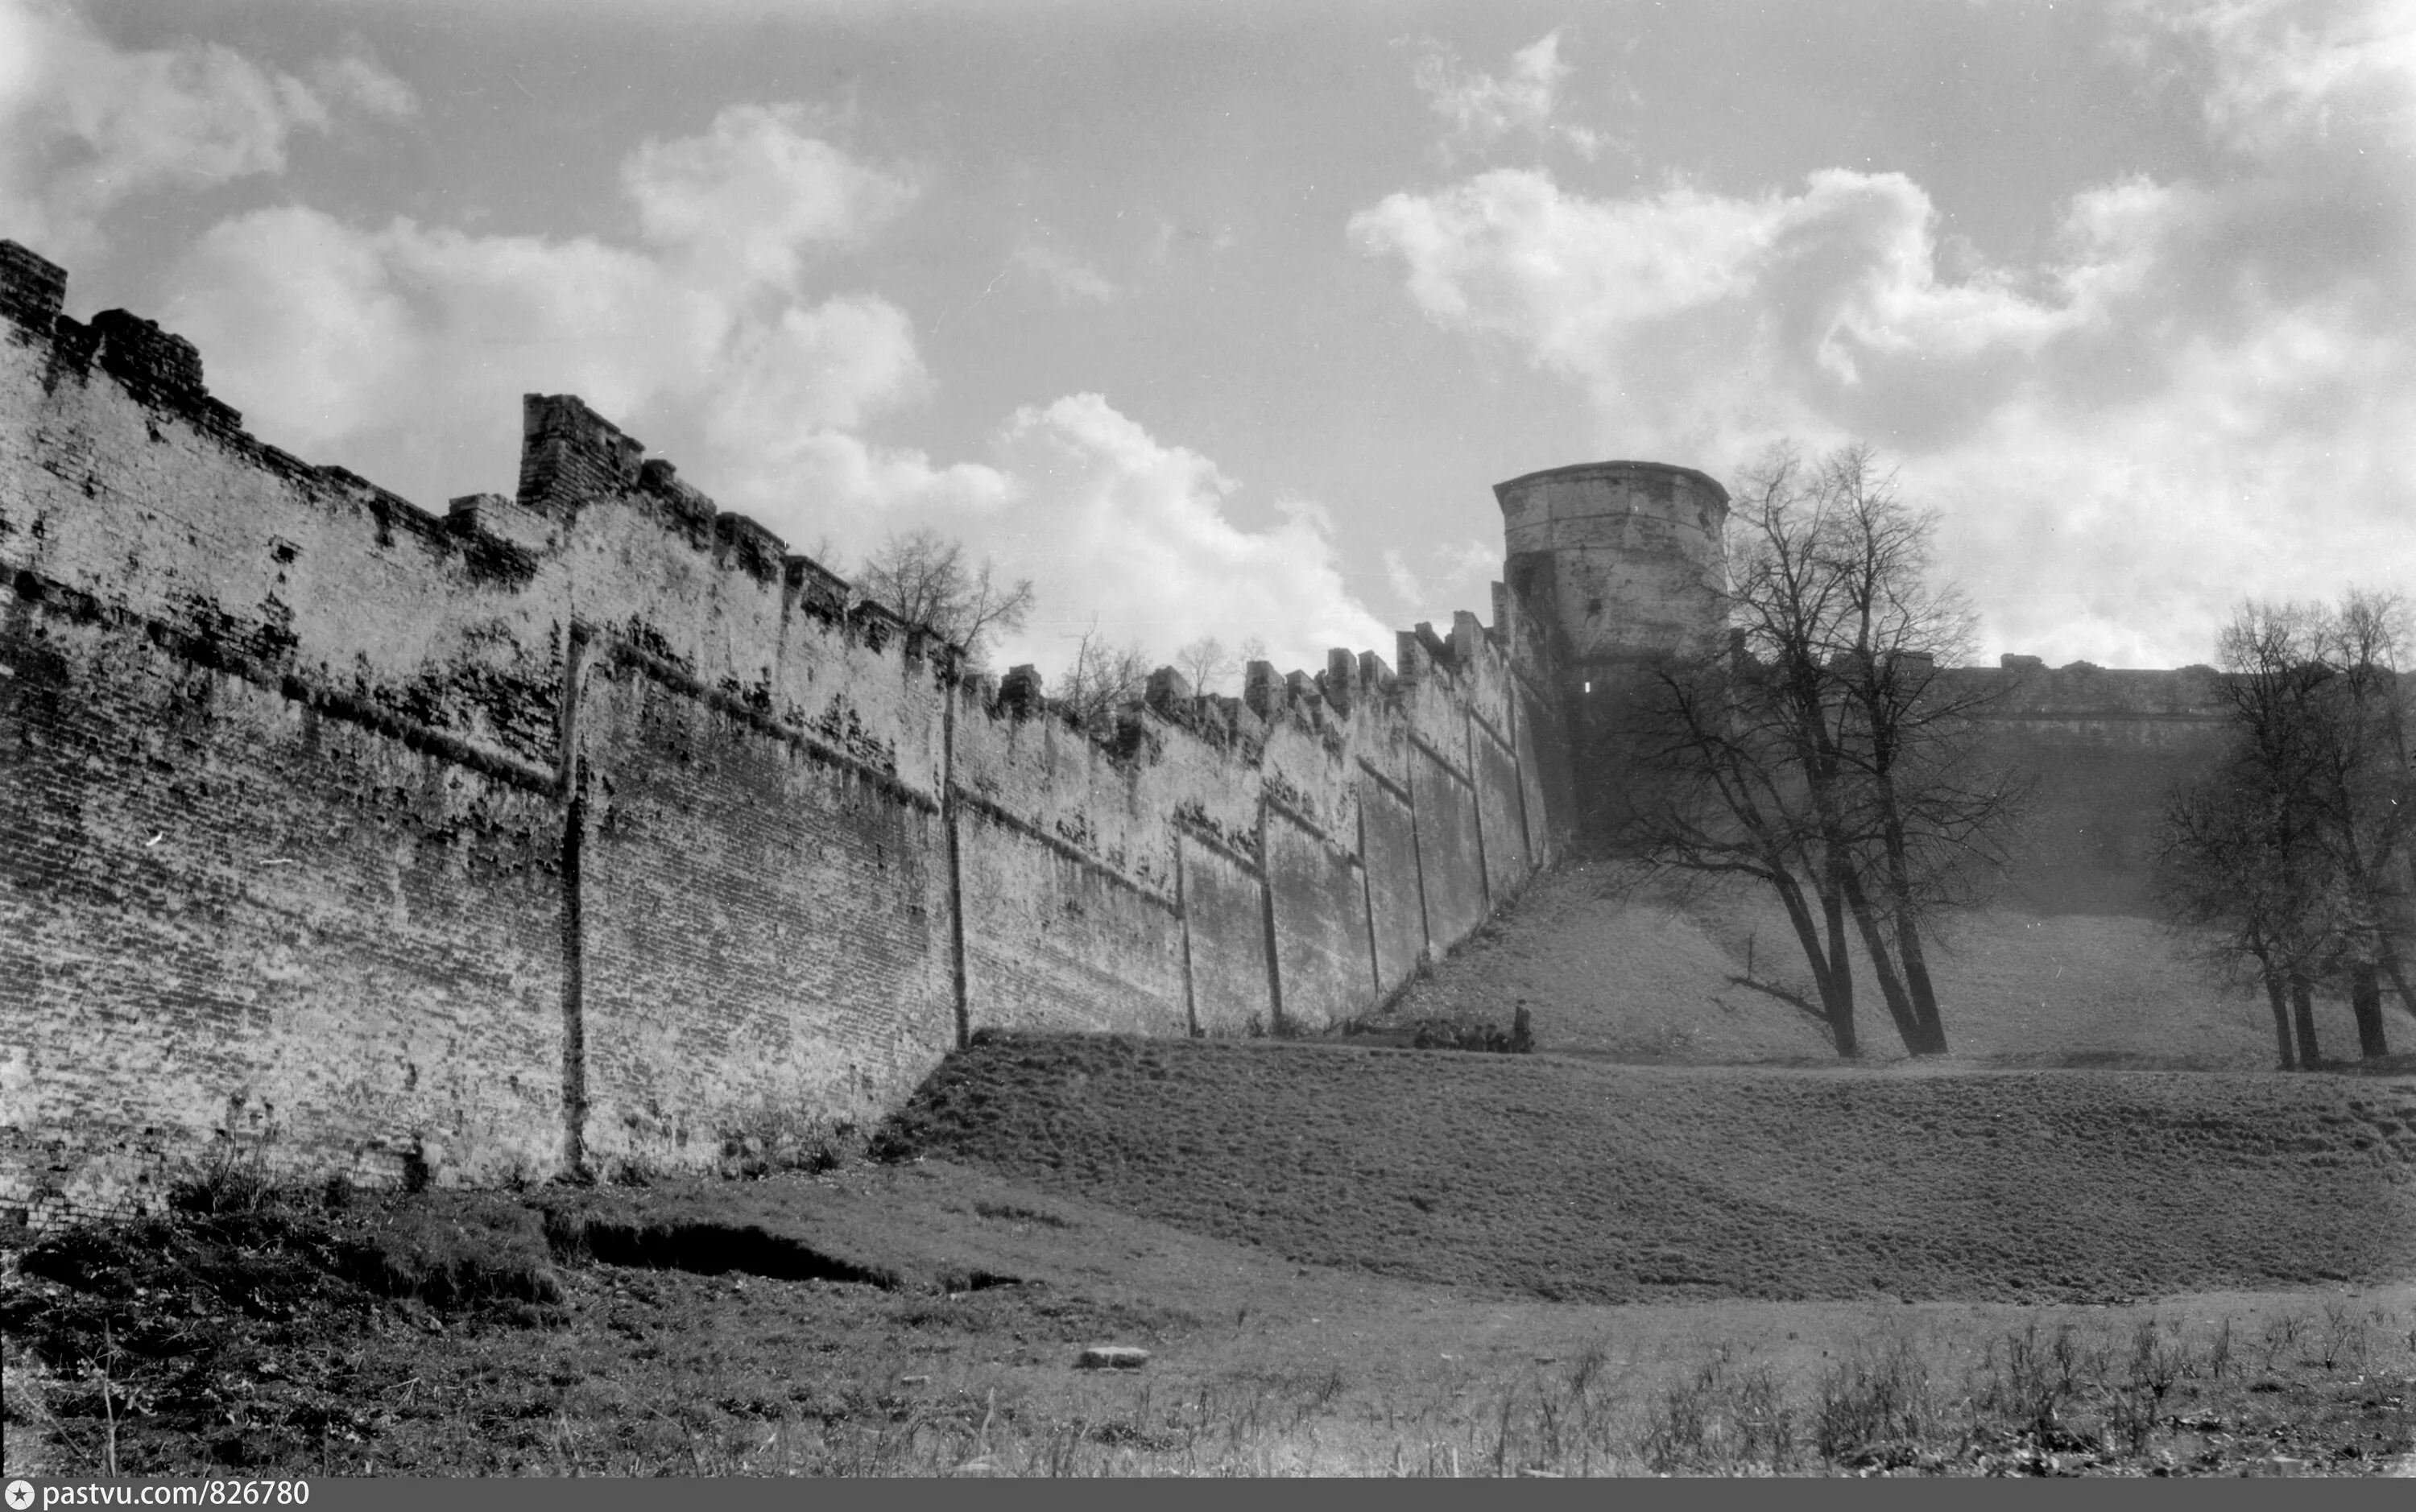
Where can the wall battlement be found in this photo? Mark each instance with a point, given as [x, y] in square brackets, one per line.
[587, 826]
[2028, 690]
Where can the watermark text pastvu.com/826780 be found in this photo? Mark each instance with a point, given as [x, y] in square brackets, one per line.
[23, 1495]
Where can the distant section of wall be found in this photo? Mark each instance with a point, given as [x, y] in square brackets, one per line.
[587, 828]
[2105, 748]
[2116, 706]
[1071, 916]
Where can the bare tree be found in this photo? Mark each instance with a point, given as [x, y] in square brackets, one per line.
[1823, 754]
[1928, 821]
[1206, 664]
[2363, 794]
[2296, 853]
[1738, 803]
[1102, 680]
[922, 575]
[2234, 874]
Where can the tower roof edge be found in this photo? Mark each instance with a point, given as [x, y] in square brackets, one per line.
[1578, 471]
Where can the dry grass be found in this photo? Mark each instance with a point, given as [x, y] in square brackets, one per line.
[1642, 976]
[1578, 1180]
[452, 1333]
[264, 1353]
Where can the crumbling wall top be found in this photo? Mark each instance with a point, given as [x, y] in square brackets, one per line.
[32, 289]
[1620, 471]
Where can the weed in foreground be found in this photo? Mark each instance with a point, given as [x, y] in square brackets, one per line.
[2340, 1338]
[232, 1178]
[2138, 1404]
[770, 1139]
[1876, 1409]
[255, 1336]
[1724, 1420]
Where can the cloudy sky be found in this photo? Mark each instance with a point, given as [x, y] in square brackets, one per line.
[1225, 317]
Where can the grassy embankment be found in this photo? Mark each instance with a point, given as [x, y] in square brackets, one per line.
[1634, 973]
[1571, 1179]
[1345, 1260]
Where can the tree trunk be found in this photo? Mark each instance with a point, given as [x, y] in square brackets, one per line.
[1908, 934]
[2302, 1013]
[2365, 1004]
[2281, 1020]
[2399, 975]
[1837, 1006]
[1883, 966]
[1841, 969]
[1916, 978]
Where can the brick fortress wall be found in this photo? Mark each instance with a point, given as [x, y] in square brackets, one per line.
[2104, 747]
[588, 825]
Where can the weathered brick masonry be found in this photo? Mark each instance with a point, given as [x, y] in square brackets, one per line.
[588, 825]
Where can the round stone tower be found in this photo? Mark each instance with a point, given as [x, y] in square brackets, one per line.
[1623, 560]
[1619, 564]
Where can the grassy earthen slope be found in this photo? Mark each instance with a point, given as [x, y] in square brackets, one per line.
[696, 1326]
[1578, 1180]
[1610, 968]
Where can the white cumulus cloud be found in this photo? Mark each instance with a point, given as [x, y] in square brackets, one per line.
[1129, 534]
[85, 125]
[2281, 72]
[403, 350]
[789, 403]
[1694, 317]
[755, 193]
[2205, 387]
